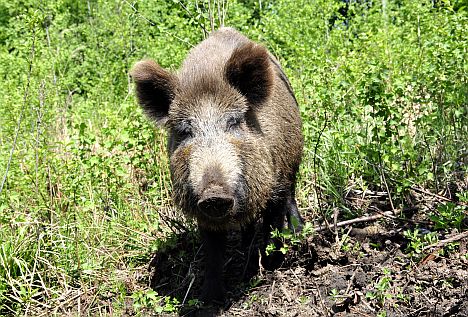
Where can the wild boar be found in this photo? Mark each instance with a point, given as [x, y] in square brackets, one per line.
[234, 141]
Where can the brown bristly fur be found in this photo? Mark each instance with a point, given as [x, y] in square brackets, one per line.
[234, 72]
[235, 141]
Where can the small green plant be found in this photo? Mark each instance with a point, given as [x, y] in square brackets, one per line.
[334, 293]
[345, 243]
[150, 299]
[382, 313]
[304, 299]
[194, 303]
[448, 282]
[418, 288]
[255, 281]
[380, 294]
[405, 298]
[249, 302]
[449, 215]
[289, 238]
[417, 240]
[463, 197]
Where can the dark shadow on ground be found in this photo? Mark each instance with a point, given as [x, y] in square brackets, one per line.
[177, 271]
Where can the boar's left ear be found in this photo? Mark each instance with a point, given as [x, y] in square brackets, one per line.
[249, 70]
[155, 89]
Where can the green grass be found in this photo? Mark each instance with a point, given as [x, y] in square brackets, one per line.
[383, 96]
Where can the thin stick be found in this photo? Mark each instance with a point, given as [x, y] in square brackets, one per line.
[205, 32]
[189, 288]
[270, 295]
[318, 192]
[384, 179]
[442, 243]
[424, 191]
[210, 14]
[38, 127]
[353, 221]
[220, 23]
[225, 8]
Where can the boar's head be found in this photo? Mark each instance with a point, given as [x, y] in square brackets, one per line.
[221, 169]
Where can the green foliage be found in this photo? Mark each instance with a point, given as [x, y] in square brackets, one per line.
[334, 293]
[150, 299]
[289, 238]
[417, 240]
[450, 215]
[383, 94]
[382, 288]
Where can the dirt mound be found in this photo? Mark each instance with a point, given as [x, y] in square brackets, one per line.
[381, 264]
[365, 273]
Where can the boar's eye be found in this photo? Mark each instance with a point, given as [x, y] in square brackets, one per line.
[184, 131]
[233, 123]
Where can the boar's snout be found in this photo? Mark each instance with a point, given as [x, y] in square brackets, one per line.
[215, 203]
[214, 186]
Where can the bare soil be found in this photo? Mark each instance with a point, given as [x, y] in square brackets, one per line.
[365, 270]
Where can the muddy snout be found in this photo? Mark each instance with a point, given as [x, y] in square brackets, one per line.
[215, 202]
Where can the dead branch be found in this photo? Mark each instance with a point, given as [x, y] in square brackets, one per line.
[353, 221]
[368, 193]
[424, 191]
[442, 243]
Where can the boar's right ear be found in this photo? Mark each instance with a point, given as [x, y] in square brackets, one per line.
[249, 70]
[155, 89]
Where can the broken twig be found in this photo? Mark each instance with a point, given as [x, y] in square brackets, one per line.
[356, 220]
[442, 243]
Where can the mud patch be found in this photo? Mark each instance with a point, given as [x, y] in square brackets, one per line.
[353, 276]
[367, 268]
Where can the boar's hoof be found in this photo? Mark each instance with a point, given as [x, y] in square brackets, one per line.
[215, 206]
[272, 261]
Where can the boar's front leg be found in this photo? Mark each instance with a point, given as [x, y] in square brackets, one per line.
[214, 244]
[274, 219]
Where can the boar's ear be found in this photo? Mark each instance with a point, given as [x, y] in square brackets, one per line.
[155, 89]
[249, 70]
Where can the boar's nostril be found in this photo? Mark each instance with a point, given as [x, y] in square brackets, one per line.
[215, 207]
